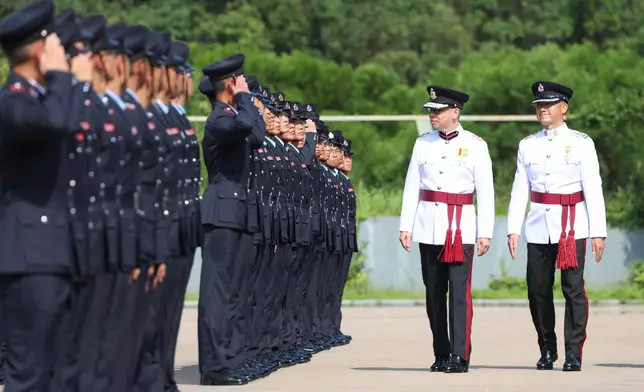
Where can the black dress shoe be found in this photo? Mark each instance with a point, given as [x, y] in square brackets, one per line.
[457, 365]
[572, 364]
[440, 364]
[547, 360]
[223, 378]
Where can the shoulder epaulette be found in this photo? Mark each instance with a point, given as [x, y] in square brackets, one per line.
[428, 133]
[579, 134]
[530, 136]
[475, 137]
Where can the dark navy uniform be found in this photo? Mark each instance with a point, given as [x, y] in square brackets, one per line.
[35, 127]
[228, 139]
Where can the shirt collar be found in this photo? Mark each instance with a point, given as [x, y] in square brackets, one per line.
[179, 108]
[270, 140]
[280, 140]
[116, 99]
[133, 95]
[162, 106]
[345, 176]
[556, 131]
[37, 86]
[451, 134]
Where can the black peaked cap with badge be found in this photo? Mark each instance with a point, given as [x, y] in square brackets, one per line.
[68, 30]
[27, 25]
[441, 98]
[347, 148]
[92, 30]
[155, 47]
[226, 68]
[178, 56]
[544, 91]
[134, 42]
[206, 87]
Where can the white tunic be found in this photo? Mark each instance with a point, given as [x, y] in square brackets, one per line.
[562, 161]
[460, 165]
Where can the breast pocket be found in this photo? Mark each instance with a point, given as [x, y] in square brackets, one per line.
[534, 167]
[571, 165]
[429, 168]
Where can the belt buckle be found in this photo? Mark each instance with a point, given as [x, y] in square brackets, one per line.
[452, 198]
[565, 200]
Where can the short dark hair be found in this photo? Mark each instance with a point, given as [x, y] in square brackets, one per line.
[219, 86]
[19, 55]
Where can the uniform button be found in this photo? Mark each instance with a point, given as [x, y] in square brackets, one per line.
[440, 187]
[72, 183]
[156, 204]
[549, 139]
[44, 219]
[92, 199]
[90, 225]
[548, 156]
[446, 141]
[444, 157]
[91, 174]
[72, 211]
[441, 172]
[166, 212]
[235, 194]
[547, 174]
[436, 203]
[548, 209]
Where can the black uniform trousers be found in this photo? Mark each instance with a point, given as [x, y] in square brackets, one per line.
[173, 292]
[257, 325]
[541, 278]
[220, 339]
[312, 296]
[33, 308]
[439, 278]
[341, 281]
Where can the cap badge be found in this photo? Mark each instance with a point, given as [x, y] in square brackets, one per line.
[281, 97]
[330, 135]
[294, 107]
[308, 108]
[432, 93]
[540, 88]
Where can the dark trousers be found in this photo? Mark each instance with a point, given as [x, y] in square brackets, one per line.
[438, 278]
[340, 282]
[148, 373]
[314, 318]
[115, 362]
[219, 293]
[276, 291]
[258, 329]
[173, 294]
[33, 308]
[541, 278]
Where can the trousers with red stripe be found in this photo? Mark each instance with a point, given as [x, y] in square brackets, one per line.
[439, 278]
[541, 278]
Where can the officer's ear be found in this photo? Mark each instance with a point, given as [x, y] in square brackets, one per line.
[564, 107]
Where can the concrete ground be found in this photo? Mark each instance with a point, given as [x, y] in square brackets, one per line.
[392, 351]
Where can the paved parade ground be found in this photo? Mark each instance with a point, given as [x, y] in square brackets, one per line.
[391, 351]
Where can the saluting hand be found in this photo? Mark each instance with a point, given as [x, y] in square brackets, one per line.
[597, 245]
[483, 246]
[53, 56]
[309, 126]
[405, 240]
[240, 85]
[513, 241]
[82, 67]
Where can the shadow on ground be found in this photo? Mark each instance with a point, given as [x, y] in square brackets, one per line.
[621, 365]
[187, 375]
[426, 369]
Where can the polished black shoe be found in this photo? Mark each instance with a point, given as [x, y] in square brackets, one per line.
[572, 364]
[547, 360]
[223, 378]
[457, 365]
[440, 364]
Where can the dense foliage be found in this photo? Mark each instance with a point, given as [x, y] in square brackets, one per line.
[377, 56]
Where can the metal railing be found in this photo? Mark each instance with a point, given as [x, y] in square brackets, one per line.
[422, 122]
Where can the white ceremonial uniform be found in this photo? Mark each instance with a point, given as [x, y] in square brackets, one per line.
[460, 165]
[560, 161]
